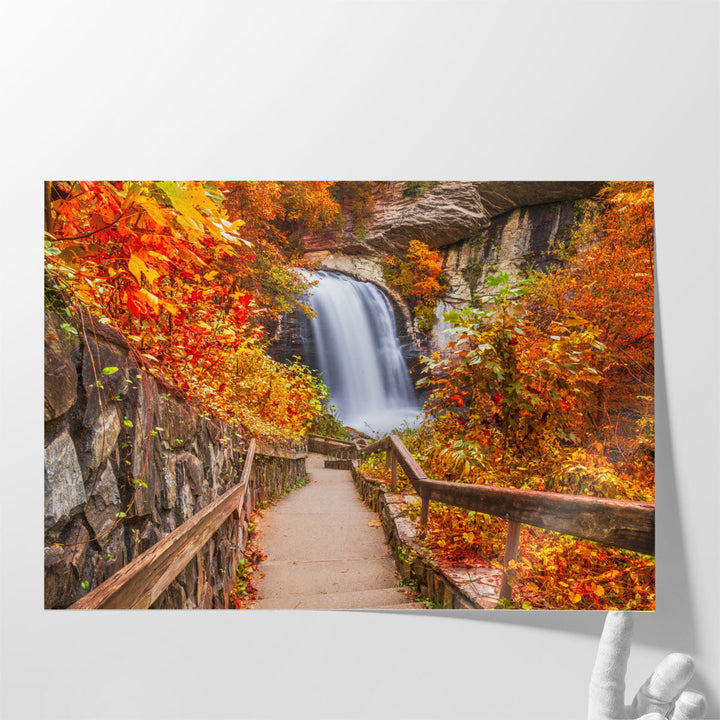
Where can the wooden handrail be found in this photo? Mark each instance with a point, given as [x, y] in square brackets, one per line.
[139, 583]
[620, 523]
[316, 436]
[332, 446]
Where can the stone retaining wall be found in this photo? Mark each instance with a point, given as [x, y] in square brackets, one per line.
[117, 440]
[446, 586]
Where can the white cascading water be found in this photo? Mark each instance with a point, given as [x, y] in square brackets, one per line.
[359, 355]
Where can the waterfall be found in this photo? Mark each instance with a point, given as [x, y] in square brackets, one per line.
[357, 350]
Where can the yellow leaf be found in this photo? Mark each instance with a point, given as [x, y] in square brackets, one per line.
[152, 275]
[137, 267]
[170, 307]
[152, 209]
[151, 299]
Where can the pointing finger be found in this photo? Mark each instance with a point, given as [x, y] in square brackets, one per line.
[664, 686]
[607, 683]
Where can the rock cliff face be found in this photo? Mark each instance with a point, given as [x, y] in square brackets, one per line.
[478, 227]
[121, 442]
[439, 214]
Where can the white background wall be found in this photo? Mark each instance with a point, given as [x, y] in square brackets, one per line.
[361, 90]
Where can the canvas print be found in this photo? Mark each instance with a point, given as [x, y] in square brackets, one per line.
[335, 394]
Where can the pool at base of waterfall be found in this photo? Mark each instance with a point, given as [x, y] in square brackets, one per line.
[357, 350]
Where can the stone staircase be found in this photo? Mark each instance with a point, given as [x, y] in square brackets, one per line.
[326, 550]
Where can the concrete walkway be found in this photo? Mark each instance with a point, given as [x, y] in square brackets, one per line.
[325, 549]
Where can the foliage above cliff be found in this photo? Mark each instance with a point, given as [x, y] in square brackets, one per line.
[190, 271]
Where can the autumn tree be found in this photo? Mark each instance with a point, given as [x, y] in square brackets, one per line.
[548, 385]
[418, 277]
[185, 279]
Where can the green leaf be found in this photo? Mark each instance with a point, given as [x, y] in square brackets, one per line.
[85, 585]
[497, 280]
[120, 515]
[127, 423]
[110, 370]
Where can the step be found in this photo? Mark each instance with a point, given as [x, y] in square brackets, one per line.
[325, 577]
[359, 600]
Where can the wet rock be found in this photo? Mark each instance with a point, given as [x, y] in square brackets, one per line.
[56, 576]
[63, 565]
[168, 494]
[99, 440]
[104, 502]
[184, 502]
[64, 488]
[179, 422]
[149, 535]
[145, 469]
[113, 553]
[190, 471]
[100, 387]
[167, 522]
[60, 371]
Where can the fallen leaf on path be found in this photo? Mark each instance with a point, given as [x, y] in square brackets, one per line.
[375, 523]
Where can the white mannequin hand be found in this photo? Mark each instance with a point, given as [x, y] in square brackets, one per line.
[663, 696]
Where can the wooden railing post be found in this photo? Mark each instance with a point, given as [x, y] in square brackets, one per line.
[511, 550]
[424, 510]
[393, 472]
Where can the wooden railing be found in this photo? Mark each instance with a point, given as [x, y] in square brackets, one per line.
[620, 523]
[139, 583]
[340, 449]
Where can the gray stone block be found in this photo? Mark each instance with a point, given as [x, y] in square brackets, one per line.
[99, 440]
[60, 373]
[64, 489]
[104, 502]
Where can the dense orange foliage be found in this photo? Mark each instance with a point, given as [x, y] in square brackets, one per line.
[189, 280]
[419, 278]
[548, 385]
